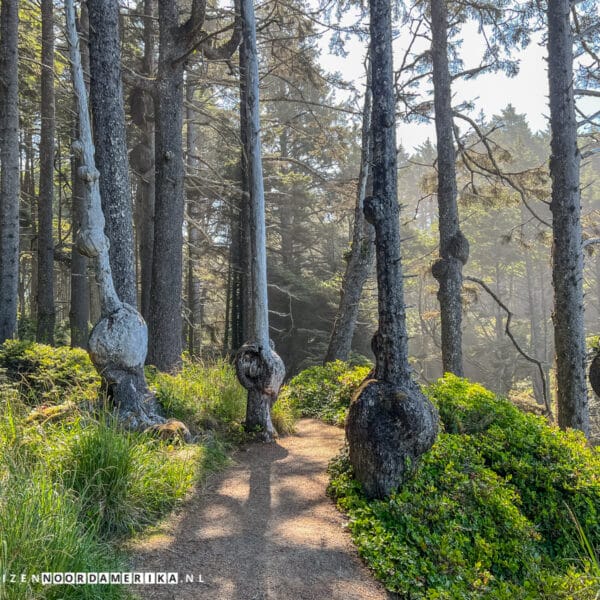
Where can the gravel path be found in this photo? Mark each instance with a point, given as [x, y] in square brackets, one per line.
[262, 529]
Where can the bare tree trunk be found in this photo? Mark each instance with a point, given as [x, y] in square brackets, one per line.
[567, 254]
[362, 252]
[119, 341]
[106, 94]
[390, 422]
[79, 312]
[194, 296]
[454, 248]
[259, 368]
[45, 290]
[9, 175]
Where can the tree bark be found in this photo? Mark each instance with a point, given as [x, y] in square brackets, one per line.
[454, 248]
[390, 422]
[259, 368]
[79, 313]
[119, 341]
[362, 252]
[45, 247]
[567, 254]
[9, 175]
[106, 94]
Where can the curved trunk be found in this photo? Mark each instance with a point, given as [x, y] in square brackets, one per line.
[390, 422]
[362, 252]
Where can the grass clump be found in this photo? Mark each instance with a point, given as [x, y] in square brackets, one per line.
[324, 392]
[503, 506]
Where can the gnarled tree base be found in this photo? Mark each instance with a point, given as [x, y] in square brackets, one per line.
[117, 347]
[388, 428]
[261, 371]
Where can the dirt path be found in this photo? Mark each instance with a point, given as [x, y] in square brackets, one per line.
[263, 529]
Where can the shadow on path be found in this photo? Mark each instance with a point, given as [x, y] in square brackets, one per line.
[262, 529]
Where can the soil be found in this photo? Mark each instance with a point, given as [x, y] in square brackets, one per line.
[262, 529]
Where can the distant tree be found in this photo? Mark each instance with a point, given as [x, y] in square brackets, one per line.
[360, 259]
[106, 95]
[259, 368]
[9, 174]
[567, 251]
[390, 422]
[45, 243]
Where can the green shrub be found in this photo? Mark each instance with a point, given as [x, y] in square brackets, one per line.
[44, 374]
[454, 528]
[324, 392]
[551, 469]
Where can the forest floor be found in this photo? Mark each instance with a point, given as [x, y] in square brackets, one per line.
[262, 529]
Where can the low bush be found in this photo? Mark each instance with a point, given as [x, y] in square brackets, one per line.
[324, 392]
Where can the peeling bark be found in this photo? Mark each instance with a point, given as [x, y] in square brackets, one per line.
[390, 422]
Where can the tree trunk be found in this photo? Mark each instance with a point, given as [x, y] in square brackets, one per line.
[194, 296]
[390, 422]
[45, 246]
[9, 175]
[567, 254]
[259, 368]
[165, 319]
[106, 94]
[119, 341]
[362, 252]
[79, 313]
[454, 248]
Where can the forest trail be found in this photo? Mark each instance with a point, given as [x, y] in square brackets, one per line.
[262, 529]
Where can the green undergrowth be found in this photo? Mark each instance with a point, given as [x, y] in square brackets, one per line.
[324, 392]
[74, 486]
[504, 506]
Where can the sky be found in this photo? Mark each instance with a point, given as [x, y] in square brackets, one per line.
[527, 91]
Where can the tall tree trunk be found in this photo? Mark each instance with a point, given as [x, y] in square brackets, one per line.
[79, 312]
[362, 253]
[390, 422]
[194, 295]
[259, 368]
[454, 248]
[9, 175]
[567, 255]
[119, 341]
[106, 94]
[45, 291]
[165, 319]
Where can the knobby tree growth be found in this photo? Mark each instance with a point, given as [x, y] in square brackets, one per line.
[259, 368]
[454, 248]
[119, 341]
[390, 422]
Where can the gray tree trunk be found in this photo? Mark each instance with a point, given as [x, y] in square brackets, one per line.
[194, 283]
[165, 318]
[79, 313]
[119, 341]
[390, 422]
[9, 175]
[45, 246]
[259, 368]
[106, 94]
[454, 248]
[362, 252]
[567, 254]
